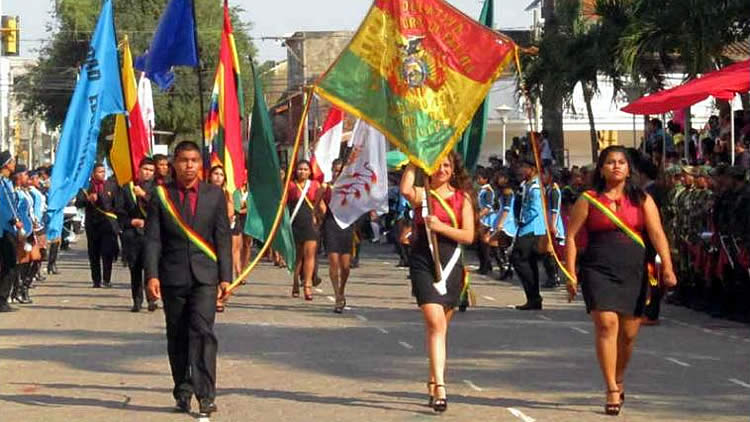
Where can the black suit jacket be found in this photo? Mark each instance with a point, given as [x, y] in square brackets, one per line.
[127, 210]
[171, 257]
[94, 219]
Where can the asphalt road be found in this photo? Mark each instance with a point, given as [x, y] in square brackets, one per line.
[78, 354]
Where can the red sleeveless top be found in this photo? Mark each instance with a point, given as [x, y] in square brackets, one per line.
[629, 213]
[455, 201]
[295, 191]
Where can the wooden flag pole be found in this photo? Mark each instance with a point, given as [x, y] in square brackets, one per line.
[200, 82]
[133, 166]
[433, 236]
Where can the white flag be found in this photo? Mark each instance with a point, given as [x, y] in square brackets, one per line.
[328, 147]
[146, 103]
[363, 184]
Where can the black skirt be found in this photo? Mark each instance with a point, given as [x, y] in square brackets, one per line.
[303, 228]
[613, 274]
[337, 240]
[239, 224]
[422, 271]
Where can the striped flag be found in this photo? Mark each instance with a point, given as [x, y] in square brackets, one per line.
[417, 70]
[130, 142]
[223, 127]
[146, 102]
[328, 147]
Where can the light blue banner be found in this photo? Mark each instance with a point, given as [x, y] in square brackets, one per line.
[98, 93]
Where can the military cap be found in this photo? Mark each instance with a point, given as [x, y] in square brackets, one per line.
[690, 170]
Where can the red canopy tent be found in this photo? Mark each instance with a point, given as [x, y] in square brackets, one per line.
[722, 84]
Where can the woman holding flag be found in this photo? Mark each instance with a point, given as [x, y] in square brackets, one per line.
[453, 224]
[301, 197]
[616, 214]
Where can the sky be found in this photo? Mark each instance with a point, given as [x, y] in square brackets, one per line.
[274, 18]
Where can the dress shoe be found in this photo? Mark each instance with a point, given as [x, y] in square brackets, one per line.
[536, 306]
[207, 407]
[135, 308]
[107, 284]
[4, 307]
[182, 405]
[152, 305]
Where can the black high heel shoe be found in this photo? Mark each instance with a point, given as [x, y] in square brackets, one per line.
[429, 392]
[613, 409]
[620, 386]
[440, 405]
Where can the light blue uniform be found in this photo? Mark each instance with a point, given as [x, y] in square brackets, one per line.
[554, 202]
[486, 200]
[25, 209]
[507, 204]
[531, 221]
[7, 200]
[39, 204]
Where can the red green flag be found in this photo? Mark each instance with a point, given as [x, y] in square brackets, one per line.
[417, 70]
[223, 127]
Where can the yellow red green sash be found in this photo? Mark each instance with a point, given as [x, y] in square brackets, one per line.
[194, 237]
[466, 281]
[615, 219]
[131, 190]
[107, 214]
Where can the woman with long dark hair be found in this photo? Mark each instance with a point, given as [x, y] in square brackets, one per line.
[615, 214]
[300, 200]
[452, 221]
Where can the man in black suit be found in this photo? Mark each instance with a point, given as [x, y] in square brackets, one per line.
[130, 206]
[188, 257]
[101, 226]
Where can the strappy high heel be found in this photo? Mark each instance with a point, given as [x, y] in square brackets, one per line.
[308, 293]
[612, 409]
[621, 388]
[440, 405]
[431, 398]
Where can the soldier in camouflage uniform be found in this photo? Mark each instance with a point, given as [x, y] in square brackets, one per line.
[684, 202]
[701, 203]
[675, 189]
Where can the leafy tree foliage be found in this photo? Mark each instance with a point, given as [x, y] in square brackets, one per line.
[46, 90]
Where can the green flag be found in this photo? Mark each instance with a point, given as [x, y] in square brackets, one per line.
[473, 136]
[265, 187]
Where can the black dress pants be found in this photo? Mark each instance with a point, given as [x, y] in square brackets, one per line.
[101, 252]
[190, 313]
[525, 260]
[135, 263]
[7, 265]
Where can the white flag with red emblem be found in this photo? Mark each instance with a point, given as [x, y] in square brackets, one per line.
[363, 184]
[328, 147]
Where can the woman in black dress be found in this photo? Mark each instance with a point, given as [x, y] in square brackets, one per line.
[452, 220]
[338, 242]
[615, 215]
[300, 201]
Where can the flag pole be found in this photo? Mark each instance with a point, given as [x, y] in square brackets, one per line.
[125, 102]
[432, 235]
[282, 204]
[200, 81]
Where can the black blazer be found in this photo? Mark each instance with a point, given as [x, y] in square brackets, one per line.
[171, 257]
[94, 219]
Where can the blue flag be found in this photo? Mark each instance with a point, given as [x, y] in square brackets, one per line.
[173, 44]
[98, 93]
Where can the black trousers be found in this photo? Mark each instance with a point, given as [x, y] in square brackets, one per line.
[190, 313]
[525, 260]
[7, 265]
[135, 263]
[101, 254]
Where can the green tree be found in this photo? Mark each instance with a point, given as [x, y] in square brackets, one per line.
[46, 90]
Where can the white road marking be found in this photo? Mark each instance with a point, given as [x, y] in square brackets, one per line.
[678, 362]
[738, 382]
[347, 308]
[707, 331]
[406, 345]
[330, 298]
[580, 330]
[361, 318]
[65, 301]
[472, 385]
[382, 330]
[317, 290]
[204, 420]
[490, 298]
[544, 317]
[520, 415]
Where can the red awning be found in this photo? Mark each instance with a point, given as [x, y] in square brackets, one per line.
[722, 84]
